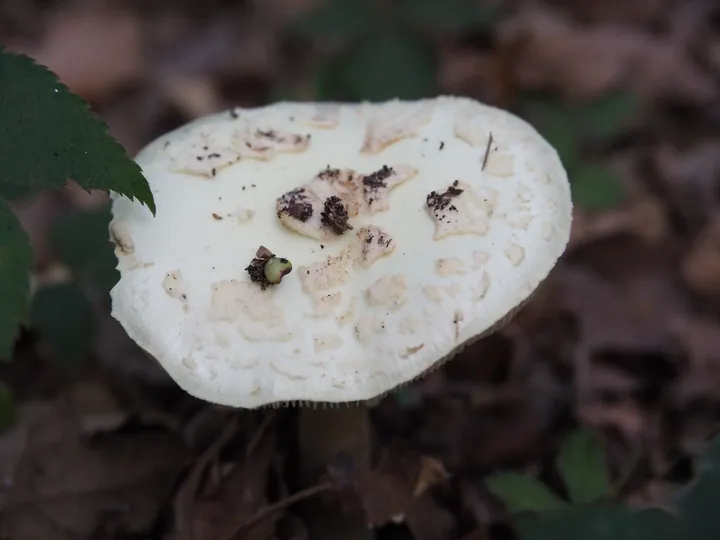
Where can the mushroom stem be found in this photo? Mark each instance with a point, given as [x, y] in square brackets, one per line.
[323, 433]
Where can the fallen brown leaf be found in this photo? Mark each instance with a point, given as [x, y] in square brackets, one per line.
[687, 178]
[477, 534]
[396, 491]
[428, 521]
[653, 493]
[64, 485]
[291, 528]
[645, 218]
[193, 96]
[222, 514]
[188, 491]
[701, 267]
[700, 338]
[638, 12]
[94, 50]
[96, 406]
[629, 315]
[432, 472]
[695, 393]
[584, 62]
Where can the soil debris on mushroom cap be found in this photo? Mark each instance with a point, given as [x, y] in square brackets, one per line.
[335, 215]
[267, 269]
[329, 173]
[439, 201]
[296, 204]
[376, 181]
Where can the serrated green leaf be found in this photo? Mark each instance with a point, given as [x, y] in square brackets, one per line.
[81, 240]
[558, 125]
[448, 15]
[49, 135]
[386, 65]
[63, 316]
[8, 411]
[600, 523]
[610, 115]
[583, 468]
[698, 502]
[16, 262]
[596, 187]
[522, 493]
[336, 19]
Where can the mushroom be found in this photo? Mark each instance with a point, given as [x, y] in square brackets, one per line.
[398, 233]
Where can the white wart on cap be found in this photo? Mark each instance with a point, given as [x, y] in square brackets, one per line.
[411, 227]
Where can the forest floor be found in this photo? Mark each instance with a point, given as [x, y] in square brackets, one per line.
[622, 338]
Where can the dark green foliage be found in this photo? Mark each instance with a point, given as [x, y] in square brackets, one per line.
[581, 464]
[386, 50]
[609, 116]
[385, 66]
[596, 187]
[7, 408]
[48, 136]
[63, 316]
[600, 522]
[523, 493]
[16, 259]
[81, 240]
[448, 15]
[699, 502]
[557, 124]
[569, 129]
[337, 19]
[539, 514]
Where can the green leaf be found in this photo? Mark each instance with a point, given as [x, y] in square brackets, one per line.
[582, 465]
[8, 411]
[49, 135]
[610, 115]
[558, 125]
[449, 15]
[522, 493]
[11, 192]
[63, 316]
[601, 523]
[596, 188]
[81, 240]
[336, 19]
[16, 262]
[698, 503]
[386, 65]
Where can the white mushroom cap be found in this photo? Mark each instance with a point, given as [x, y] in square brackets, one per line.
[466, 213]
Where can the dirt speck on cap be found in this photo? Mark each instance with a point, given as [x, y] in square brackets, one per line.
[335, 215]
[296, 204]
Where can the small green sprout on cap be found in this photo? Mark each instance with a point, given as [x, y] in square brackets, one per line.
[267, 269]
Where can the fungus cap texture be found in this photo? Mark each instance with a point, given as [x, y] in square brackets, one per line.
[412, 227]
